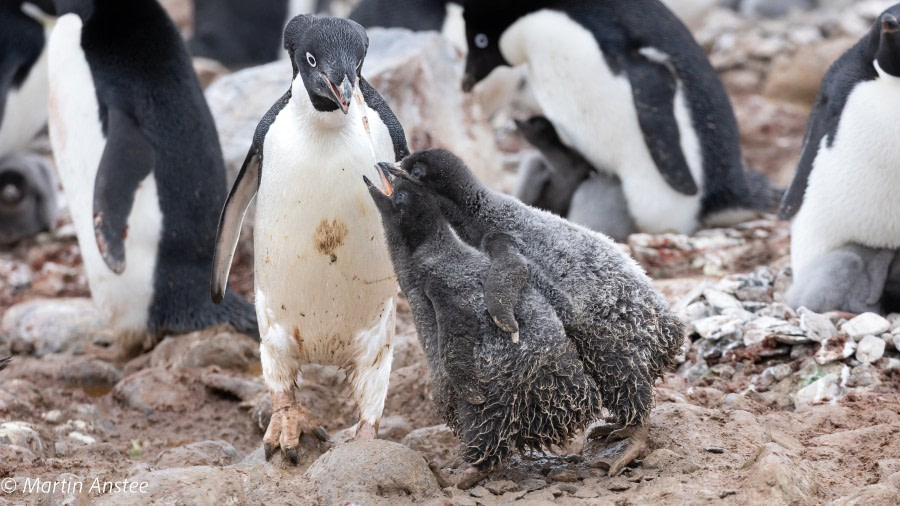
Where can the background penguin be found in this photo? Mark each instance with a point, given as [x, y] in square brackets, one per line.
[27, 197]
[621, 327]
[24, 27]
[536, 393]
[443, 16]
[238, 33]
[626, 85]
[140, 163]
[561, 181]
[324, 284]
[845, 189]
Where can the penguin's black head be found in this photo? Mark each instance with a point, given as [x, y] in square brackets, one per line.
[485, 23]
[408, 209]
[13, 188]
[327, 53]
[888, 55]
[441, 172]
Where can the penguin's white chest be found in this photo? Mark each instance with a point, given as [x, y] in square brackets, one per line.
[78, 144]
[853, 193]
[593, 110]
[26, 108]
[323, 274]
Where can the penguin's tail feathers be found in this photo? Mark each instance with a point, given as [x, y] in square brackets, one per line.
[240, 314]
[761, 195]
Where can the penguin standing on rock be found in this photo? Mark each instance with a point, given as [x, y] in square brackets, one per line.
[496, 392]
[626, 85]
[27, 197]
[622, 328]
[324, 284]
[140, 163]
[845, 191]
[24, 28]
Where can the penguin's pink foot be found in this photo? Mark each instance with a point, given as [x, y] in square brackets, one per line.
[291, 427]
[620, 447]
[366, 431]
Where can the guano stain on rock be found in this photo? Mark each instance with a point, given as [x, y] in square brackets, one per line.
[329, 237]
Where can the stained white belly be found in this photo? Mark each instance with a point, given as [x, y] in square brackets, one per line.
[593, 111]
[322, 266]
[78, 143]
[853, 195]
[26, 109]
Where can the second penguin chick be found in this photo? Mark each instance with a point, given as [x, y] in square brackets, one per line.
[537, 392]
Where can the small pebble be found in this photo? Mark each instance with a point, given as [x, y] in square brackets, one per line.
[501, 487]
[568, 488]
[479, 492]
[717, 451]
[866, 324]
[563, 475]
[870, 349]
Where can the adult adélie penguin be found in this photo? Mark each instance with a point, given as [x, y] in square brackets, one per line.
[140, 163]
[626, 85]
[843, 200]
[325, 286]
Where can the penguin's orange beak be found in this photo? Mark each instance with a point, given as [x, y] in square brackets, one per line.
[384, 174]
[342, 94]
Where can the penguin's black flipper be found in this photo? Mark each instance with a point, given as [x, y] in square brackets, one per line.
[821, 122]
[377, 104]
[457, 327]
[654, 86]
[128, 159]
[504, 282]
[242, 193]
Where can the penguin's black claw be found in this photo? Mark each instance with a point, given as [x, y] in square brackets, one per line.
[269, 450]
[292, 455]
[320, 433]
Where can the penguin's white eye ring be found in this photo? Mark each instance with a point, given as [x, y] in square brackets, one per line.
[310, 59]
[481, 41]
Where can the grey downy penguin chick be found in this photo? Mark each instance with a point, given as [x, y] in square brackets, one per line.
[550, 181]
[27, 197]
[140, 163]
[324, 284]
[845, 189]
[623, 329]
[536, 393]
[627, 86]
[852, 279]
[563, 182]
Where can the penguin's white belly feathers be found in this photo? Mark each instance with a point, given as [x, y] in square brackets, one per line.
[324, 278]
[852, 194]
[78, 144]
[593, 110]
[26, 108]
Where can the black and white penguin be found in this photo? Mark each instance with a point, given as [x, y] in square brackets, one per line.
[622, 328]
[443, 16]
[324, 284]
[845, 189]
[238, 33]
[626, 85]
[140, 164]
[529, 393]
[24, 28]
[27, 197]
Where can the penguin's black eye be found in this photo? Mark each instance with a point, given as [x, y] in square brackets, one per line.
[310, 59]
[401, 198]
[481, 41]
[418, 171]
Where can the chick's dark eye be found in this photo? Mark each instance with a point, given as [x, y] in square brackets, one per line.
[401, 198]
[481, 41]
[310, 59]
[418, 171]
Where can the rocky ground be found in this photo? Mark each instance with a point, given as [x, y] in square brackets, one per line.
[768, 405]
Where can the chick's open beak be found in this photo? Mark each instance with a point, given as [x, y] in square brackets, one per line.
[387, 178]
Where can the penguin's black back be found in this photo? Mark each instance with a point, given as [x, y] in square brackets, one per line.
[141, 67]
[21, 43]
[237, 32]
[417, 15]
